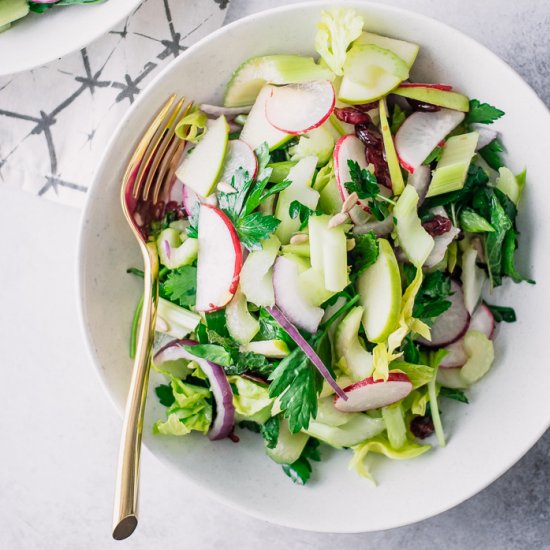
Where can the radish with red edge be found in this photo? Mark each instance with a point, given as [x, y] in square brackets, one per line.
[420, 180]
[299, 108]
[224, 420]
[482, 321]
[239, 155]
[443, 87]
[347, 148]
[219, 260]
[420, 134]
[369, 393]
[289, 298]
[451, 324]
[190, 200]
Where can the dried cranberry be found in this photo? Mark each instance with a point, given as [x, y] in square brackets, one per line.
[367, 106]
[351, 115]
[234, 437]
[437, 225]
[421, 106]
[158, 210]
[368, 135]
[422, 426]
[374, 152]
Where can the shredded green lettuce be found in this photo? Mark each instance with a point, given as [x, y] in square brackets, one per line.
[338, 28]
[251, 400]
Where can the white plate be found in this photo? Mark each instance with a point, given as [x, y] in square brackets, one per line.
[508, 409]
[40, 38]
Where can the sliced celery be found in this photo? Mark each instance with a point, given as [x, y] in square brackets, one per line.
[395, 425]
[297, 249]
[175, 320]
[473, 278]
[289, 445]
[511, 185]
[396, 175]
[280, 170]
[481, 354]
[413, 238]
[452, 168]
[11, 10]
[434, 96]
[175, 249]
[407, 51]
[356, 430]
[242, 326]
[312, 286]
[319, 142]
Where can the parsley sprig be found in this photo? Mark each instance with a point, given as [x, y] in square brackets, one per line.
[364, 183]
[482, 113]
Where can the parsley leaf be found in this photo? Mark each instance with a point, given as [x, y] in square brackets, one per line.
[232, 203]
[270, 432]
[165, 394]
[430, 301]
[472, 222]
[254, 228]
[491, 154]
[482, 113]
[180, 286]
[193, 229]
[211, 352]
[364, 183]
[250, 425]
[300, 471]
[302, 212]
[297, 382]
[271, 330]
[509, 246]
[248, 361]
[397, 118]
[453, 393]
[365, 253]
[434, 156]
[502, 313]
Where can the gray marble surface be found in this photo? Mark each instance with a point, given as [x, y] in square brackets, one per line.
[59, 432]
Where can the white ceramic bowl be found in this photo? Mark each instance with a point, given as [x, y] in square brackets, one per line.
[39, 39]
[508, 409]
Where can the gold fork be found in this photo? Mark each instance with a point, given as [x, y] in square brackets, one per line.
[147, 177]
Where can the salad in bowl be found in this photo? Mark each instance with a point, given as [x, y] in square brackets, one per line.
[325, 251]
[13, 10]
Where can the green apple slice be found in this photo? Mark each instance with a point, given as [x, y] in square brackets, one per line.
[202, 168]
[312, 286]
[370, 72]
[434, 96]
[509, 184]
[407, 51]
[241, 325]
[379, 289]
[351, 356]
[394, 167]
[289, 445]
[11, 10]
[301, 176]
[413, 238]
[250, 77]
[257, 128]
[452, 168]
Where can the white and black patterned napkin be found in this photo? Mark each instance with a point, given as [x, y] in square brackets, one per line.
[56, 120]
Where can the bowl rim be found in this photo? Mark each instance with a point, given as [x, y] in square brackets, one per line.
[82, 235]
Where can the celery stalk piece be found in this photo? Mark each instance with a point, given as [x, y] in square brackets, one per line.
[280, 170]
[356, 430]
[434, 96]
[175, 320]
[175, 249]
[253, 74]
[407, 51]
[396, 175]
[241, 325]
[395, 425]
[296, 249]
[289, 445]
[473, 278]
[300, 190]
[510, 185]
[452, 168]
[328, 252]
[413, 238]
[319, 142]
[312, 286]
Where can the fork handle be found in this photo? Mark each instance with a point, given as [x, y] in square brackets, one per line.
[127, 482]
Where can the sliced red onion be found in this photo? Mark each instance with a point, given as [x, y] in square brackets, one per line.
[294, 333]
[224, 420]
[217, 111]
[167, 249]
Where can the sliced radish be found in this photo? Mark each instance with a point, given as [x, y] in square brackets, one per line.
[298, 108]
[420, 180]
[224, 420]
[347, 148]
[219, 260]
[289, 298]
[452, 324]
[190, 200]
[486, 135]
[238, 155]
[483, 321]
[443, 87]
[372, 394]
[420, 134]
